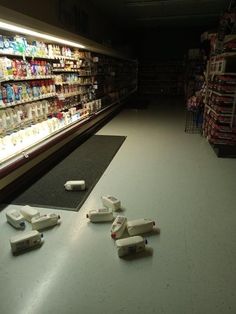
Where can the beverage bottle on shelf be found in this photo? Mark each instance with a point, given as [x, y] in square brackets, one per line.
[34, 89]
[44, 68]
[39, 50]
[69, 52]
[38, 86]
[52, 86]
[18, 117]
[14, 68]
[8, 120]
[63, 51]
[16, 92]
[45, 106]
[24, 92]
[9, 67]
[10, 93]
[21, 113]
[36, 67]
[49, 68]
[1, 42]
[60, 78]
[20, 91]
[4, 94]
[2, 104]
[47, 85]
[28, 108]
[39, 109]
[15, 117]
[54, 50]
[18, 69]
[33, 111]
[28, 69]
[23, 68]
[7, 45]
[29, 91]
[45, 49]
[58, 49]
[2, 66]
[43, 88]
[59, 116]
[33, 68]
[3, 119]
[66, 89]
[50, 51]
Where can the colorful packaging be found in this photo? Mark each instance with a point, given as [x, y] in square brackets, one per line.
[29, 90]
[24, 92]
[16, 92]
[10, 93]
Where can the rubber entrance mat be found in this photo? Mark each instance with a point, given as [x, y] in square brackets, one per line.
[87, 162]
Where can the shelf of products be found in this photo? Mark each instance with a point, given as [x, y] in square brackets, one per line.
[161, 77]
[216, 98]
[46, 89]
[194, 87]
[219, 122]
[113, 79]
[220, 114]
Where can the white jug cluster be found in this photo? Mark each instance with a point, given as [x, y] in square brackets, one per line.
[30, 239]
[135, 242]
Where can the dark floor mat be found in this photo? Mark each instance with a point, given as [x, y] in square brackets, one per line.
[87, 162]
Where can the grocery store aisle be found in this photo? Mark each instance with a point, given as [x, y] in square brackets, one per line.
[162, 173]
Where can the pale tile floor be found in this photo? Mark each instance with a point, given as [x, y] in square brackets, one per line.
[159, 172]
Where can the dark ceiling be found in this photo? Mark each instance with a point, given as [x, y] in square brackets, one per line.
[142, 14]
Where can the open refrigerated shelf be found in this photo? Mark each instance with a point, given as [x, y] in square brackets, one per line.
[24, 112]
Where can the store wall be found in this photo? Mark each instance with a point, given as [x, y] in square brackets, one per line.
[76, 16]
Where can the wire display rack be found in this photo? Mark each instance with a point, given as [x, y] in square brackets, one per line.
[193, 121]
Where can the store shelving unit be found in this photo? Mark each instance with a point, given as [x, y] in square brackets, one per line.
[220, 110]
[161, 77]
[52, 93]
[194, 80]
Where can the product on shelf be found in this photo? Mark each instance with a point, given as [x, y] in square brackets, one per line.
[194, 90]
[46, 88]
[160, 77]
[219, 119]
[12, 94]
[219, 114]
